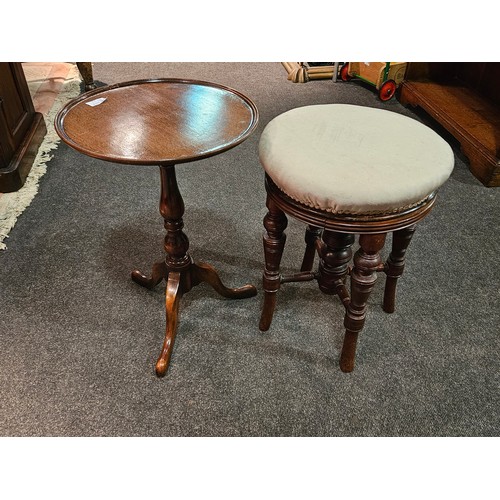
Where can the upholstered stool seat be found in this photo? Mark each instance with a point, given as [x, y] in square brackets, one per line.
[347, 170]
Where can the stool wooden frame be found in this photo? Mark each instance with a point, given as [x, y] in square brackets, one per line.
[331, 236]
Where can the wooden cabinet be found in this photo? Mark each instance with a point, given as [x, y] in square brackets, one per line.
[21, 128]
[465, 99]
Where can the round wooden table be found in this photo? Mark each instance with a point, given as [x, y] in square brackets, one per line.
[163, 122]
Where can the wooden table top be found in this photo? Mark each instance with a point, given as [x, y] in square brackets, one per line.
[157, 122]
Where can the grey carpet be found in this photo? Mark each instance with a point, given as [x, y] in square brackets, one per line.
[78, 339]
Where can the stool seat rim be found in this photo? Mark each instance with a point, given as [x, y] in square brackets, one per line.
[350, 223]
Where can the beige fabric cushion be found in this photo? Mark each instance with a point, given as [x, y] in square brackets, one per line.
[353, 159]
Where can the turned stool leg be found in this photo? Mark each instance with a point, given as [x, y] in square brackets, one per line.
[395, 265]
[312, 235]
[274, 239]
[367, 262]
[335, 255]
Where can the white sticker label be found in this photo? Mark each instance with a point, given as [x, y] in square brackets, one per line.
[96, 102]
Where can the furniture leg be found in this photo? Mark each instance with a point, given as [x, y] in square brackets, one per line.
[158, 273]
[207, 273]
[175, 268]
[172, 298]
[367, 262]
[312, 235]
[85, 69]
[395, 265]
[335, 255]
[176, 242]
[274, 239]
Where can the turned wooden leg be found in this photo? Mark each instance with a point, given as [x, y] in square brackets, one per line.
[395, 265]
[312, 235]
[85, 69]
[367, 262]
[274, 239]
[335, 255]
[172, 299]
[176, 242]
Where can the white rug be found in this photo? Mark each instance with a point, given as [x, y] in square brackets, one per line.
[12, 205]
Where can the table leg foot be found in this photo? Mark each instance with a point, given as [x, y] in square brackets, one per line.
[158, 273]
[172, 299]
[205, 272]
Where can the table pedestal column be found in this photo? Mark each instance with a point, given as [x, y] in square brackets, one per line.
[178, 269]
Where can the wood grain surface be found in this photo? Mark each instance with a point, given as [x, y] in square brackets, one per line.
[157, 122]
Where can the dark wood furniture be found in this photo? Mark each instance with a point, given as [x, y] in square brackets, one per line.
[347, 171]
[22, 129]
[331, 236]
[163, 122]
[87, 74]
[464, 97]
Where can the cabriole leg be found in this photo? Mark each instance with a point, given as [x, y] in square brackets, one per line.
[172, 298]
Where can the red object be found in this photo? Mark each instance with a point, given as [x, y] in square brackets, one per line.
[387, 90]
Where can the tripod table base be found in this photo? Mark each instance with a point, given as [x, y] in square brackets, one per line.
[179, 283]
